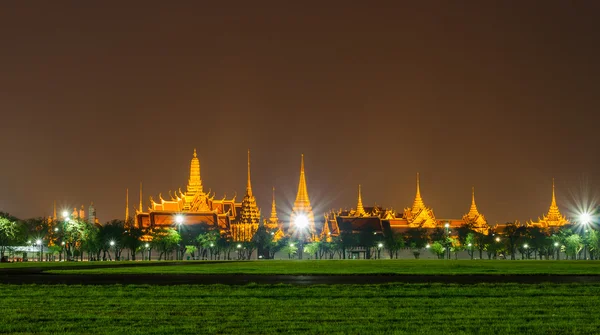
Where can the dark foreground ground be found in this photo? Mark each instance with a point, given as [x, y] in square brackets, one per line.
[319, 309]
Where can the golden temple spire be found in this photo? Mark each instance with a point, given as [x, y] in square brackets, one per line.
[553, 204]
[126, 204]
[249, 184]
[473, 210]
[195, 182]
[418, 203]
[302, 196]
[553, 211]
[360, 210]
[302, 206]
[141, 209]
[273, 218]
[54, 212]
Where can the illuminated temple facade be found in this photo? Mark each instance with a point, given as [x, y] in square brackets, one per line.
[384, 220]
[236, 220]
[553, 219]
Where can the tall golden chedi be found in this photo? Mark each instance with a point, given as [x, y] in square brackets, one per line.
[420, 215]
[273, 224]
[250, 214]
[302, 213]
[553, 219]
[473, 218]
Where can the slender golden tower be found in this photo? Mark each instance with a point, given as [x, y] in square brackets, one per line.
[473, 212]
[126, 205]
[418, 203]
[141, 209]
[54, 212]
[360, 210]
[274, 219]
[250, 214]
[302, 208]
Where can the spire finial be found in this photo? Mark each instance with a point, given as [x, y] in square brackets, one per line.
[274, 218]
[418, 204]
[54, 212]
[141, 209]
[195, 155]
[553, 195]
[126, 204]
[360, 210]
[473, 210]
[249, 185]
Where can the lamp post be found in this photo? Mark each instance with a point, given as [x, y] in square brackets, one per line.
[447, 242]
[112, 244]
[39, 242]
[179, 222]
[301, 223]
[526, 246]
[147, 245]
[585, 219]
[556, 246]
[379, 246]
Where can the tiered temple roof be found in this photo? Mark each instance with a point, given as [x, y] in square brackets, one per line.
[419, 215]
[553, 218]
[250, 214]
[474, 218]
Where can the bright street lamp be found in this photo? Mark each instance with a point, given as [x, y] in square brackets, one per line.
[497, 239]
[556, 244]
[585, 218]
[447, 225]
[239, 246]
[301, 221]
[65, 214]
[427, 246]
[112, 243]
[292, 245]
[380, 245]
[525, 246]
[469, 244]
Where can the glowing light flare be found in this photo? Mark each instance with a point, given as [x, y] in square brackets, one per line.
[179, 219]
[585, 218]
[65, 214]
[38, 242]
[301, 221]
[380, 245]
[112, 243]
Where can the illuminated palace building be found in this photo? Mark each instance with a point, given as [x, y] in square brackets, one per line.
[237, 220]
[380, 220]
[241, 220]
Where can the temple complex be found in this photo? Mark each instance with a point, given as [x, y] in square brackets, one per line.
[302, 210]
[553, 218]
[197, 207]
[377, 219]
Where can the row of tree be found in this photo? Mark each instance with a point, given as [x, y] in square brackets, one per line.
[75, 238]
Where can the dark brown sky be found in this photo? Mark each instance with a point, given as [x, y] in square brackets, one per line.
[97, 96]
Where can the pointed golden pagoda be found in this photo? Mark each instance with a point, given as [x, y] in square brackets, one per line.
[553, 218]
[195, 182]
[302, 204]
[474, 218]
[274, 219]
[360, 209]
[418, 204]
[54, 212]
[250, 214]
[419, 215]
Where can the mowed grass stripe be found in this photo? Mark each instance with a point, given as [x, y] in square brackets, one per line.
[326, 267]
[337, 309]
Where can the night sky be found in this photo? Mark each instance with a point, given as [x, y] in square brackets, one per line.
[98, 96]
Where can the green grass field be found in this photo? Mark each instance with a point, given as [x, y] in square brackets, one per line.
[336, 309]
[324, 267]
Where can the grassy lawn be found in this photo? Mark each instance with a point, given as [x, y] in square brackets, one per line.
[337, 309]
[428, 267]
